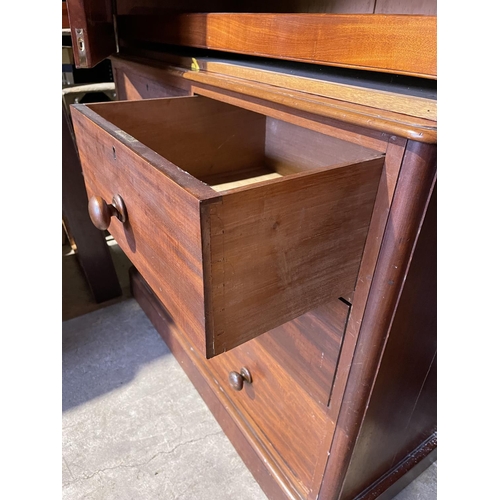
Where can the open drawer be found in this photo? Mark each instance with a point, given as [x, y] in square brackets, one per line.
[238, 221]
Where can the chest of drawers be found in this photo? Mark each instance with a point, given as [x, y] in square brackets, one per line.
[282, 227]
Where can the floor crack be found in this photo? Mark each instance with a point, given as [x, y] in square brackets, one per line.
[70, 472]
[133, 466]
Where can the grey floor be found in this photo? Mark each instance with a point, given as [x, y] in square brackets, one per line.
[134, 427]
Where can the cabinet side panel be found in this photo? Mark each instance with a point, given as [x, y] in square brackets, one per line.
[402, 410]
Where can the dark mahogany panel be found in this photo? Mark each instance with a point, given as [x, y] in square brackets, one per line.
[402, 410]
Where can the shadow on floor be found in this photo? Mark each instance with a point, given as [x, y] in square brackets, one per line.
[103, 351]
[103, 345]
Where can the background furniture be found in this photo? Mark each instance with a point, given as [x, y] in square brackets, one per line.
[91, 247]
[339, 401]
[89, 243]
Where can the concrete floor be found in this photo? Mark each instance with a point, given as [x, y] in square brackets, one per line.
[134, 427]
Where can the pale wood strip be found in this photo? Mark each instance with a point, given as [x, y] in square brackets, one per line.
[227, 186]
[390, 101]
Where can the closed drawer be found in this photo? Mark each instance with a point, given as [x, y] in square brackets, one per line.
[291, 371]
[238, 222]
[283, 418]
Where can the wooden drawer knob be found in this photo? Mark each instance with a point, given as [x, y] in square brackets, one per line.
[101, 212]
[236, 379]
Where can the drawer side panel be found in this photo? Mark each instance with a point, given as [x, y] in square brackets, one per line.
[162, 236]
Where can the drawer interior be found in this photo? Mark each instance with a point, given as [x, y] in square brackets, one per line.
[227, 147]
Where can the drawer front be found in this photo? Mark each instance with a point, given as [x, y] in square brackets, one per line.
[292, 369]
[238, 224]
[282, 416]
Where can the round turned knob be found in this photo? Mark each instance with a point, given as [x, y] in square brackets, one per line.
[101, 212]
[236, 379]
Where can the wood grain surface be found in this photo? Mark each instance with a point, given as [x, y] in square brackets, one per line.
[410, 200]
[132, 86]
[308, 347]
[286, 247]
[364, 136]
[293, 426]
[403, 473]
[386, 43]
[163, 241]
[273, 472]
[200, 136]
[415, 128]
[407, 374]
[375, 116]
[65, 19]
[357, 94]
[291, 149]
[394, 156]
